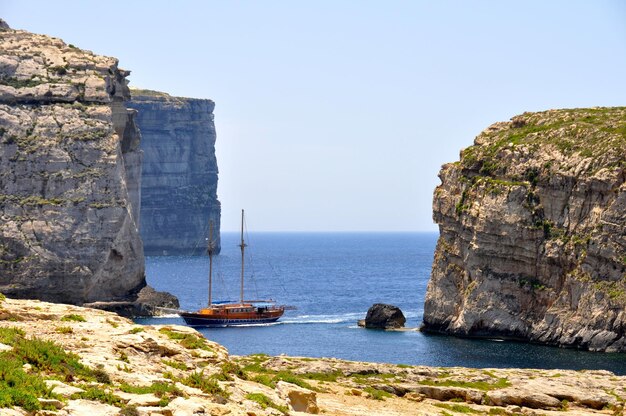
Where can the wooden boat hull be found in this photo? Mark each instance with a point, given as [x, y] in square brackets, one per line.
[220, 319]
[199, 320]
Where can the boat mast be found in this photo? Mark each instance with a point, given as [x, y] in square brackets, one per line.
[210, 250]
[243, 246]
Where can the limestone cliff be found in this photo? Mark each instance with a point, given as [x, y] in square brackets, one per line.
[70, 165]
[532, 226]
[179, 178]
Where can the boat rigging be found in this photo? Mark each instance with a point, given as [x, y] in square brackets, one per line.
[229, 314]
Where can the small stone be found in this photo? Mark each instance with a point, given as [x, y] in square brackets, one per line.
[57, 404]
[300, 399]
[62, 388]
[416, 397]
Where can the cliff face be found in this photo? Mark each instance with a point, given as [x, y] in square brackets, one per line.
[69, 169]
[533, 232]
[179, 178]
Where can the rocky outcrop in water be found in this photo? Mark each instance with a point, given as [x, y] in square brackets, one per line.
[532, 226]
[70, 166]
[179, 178]
[383, 316]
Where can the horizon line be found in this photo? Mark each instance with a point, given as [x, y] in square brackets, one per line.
[333, 231]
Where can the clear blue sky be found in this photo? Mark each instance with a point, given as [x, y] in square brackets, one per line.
[337, 115]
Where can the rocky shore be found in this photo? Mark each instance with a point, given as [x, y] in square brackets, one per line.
[91, 362]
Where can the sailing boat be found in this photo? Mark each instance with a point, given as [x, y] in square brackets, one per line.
[228, 314]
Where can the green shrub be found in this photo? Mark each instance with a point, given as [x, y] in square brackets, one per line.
[330, 377]
[265, 379]
[64, 330]
[18, 388]
[129, 411]
[289, 377]
[73, 318]
[176, 364]
[189, 341]
[136, 330]
[97, 394]
[479, 385]
[9, 335]
[229, 369]
[101, 376]
[48, 357]
[499, 411]
[158, 388]
[377, 394]
[208, 385]
[459, 408]
[266, 402]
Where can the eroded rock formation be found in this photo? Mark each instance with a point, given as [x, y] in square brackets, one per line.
[532, 226]
[70, 166]
[179, 179]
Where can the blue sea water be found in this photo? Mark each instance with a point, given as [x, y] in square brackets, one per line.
[332, 279]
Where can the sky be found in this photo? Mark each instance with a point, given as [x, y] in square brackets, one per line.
[336, 115]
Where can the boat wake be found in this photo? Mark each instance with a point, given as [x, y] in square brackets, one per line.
[323, 319]
[166, 316]
[351, 317]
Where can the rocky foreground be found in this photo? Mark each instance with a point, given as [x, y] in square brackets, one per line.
[101, 364]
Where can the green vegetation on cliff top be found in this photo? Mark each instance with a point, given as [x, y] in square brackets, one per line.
[596, 133]
[152, 93]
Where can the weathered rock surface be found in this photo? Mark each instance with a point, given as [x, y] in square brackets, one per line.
[70, 165]
[196, 376]
[179, 177]
[532, 226]
[299, 399]
[349, 388]
[383, 316]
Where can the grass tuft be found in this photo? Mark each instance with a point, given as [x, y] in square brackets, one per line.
[189, 341]
[377, 394]
[265, 402]
[208, 385]
[479, 385]
[458, 408]
[73, 318]
[98, 394]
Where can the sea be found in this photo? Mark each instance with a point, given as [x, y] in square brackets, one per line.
[331, 279]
